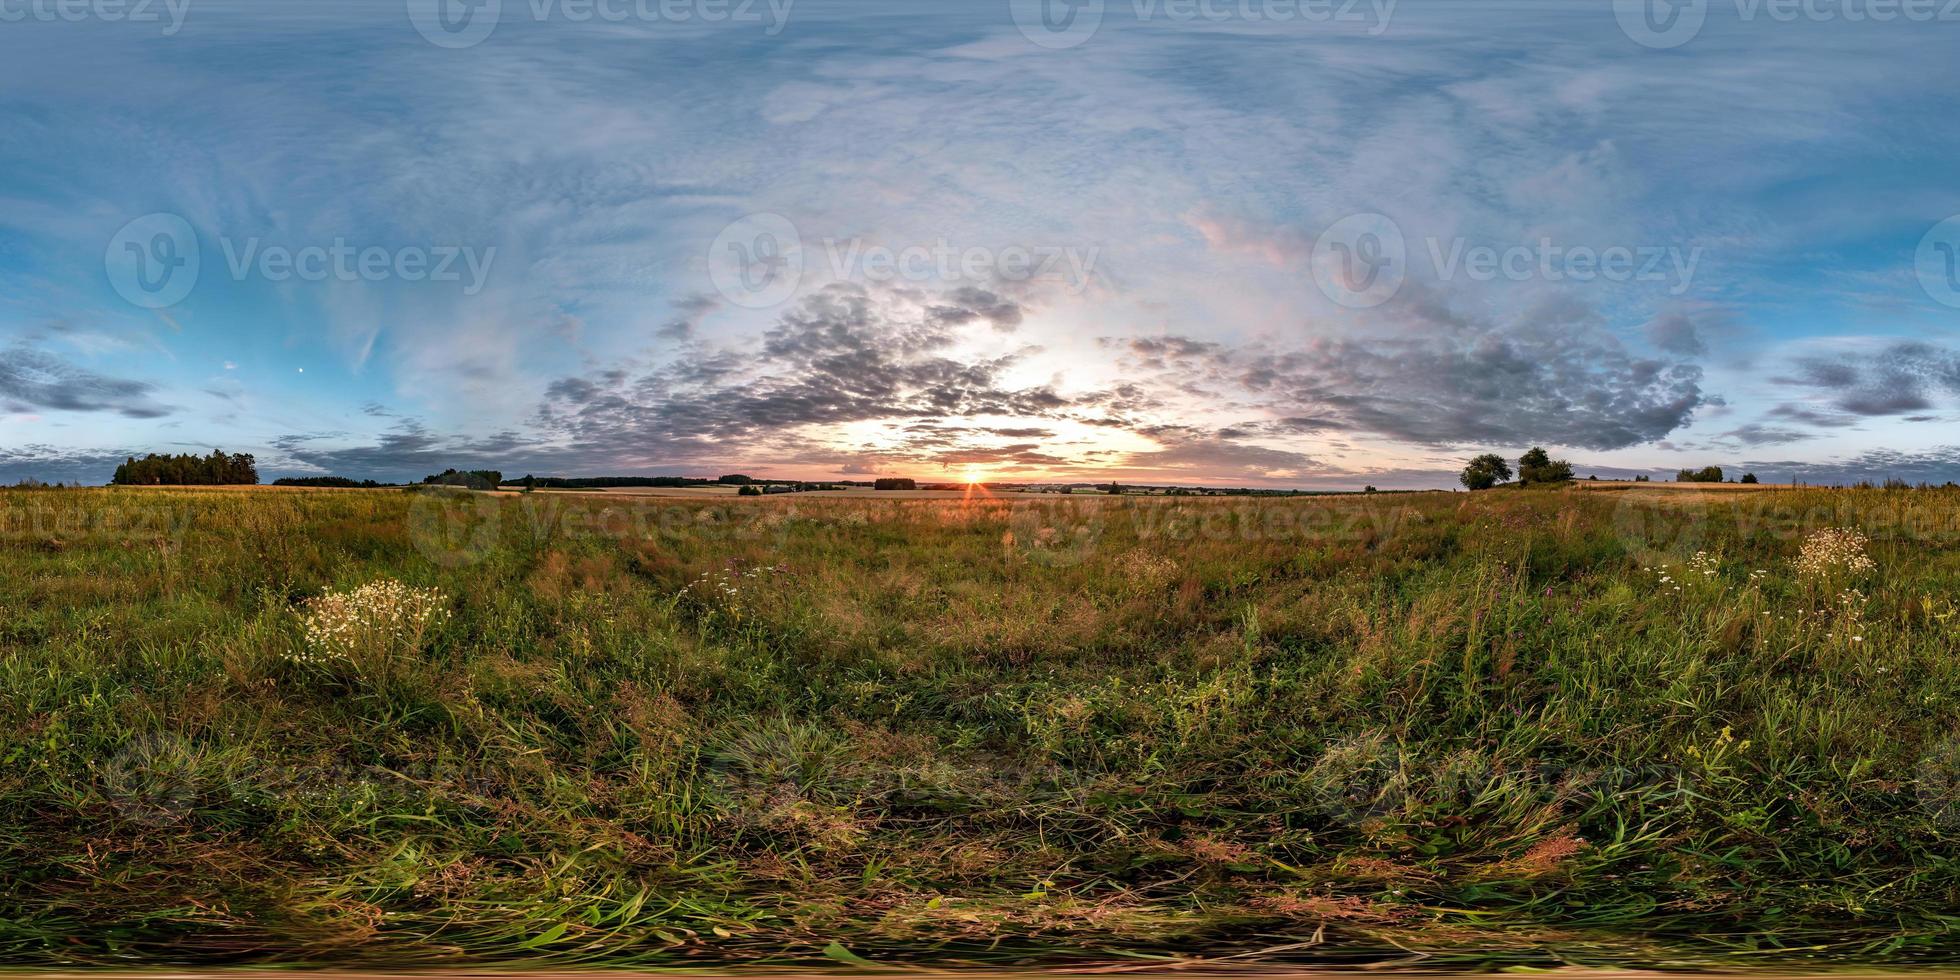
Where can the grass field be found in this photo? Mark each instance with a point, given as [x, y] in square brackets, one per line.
[1503, 728]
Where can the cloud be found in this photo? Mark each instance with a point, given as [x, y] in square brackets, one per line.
[36, 379]
[1758, 434]
[1900, 378]
[1675, 334]
[1551, 376]
[1937, 465]
[1200, 454]
[1811, 416]
[904, 363]
[690, 311]
[844, 354]
[968, 304]
[408, 452]
[59, 464]
[1883, 402]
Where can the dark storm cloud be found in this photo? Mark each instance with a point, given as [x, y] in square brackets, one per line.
[969, 304]
[31, 379]
[410, 452]
[1937, 465]
[56, 464]
[1884, 402]
[843, 355]
[1553, 377]
[1566, 387]
[1902, 378]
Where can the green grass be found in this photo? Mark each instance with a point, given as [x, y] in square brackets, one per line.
[1479, 728]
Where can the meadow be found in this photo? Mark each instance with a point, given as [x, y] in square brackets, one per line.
[1512, 727]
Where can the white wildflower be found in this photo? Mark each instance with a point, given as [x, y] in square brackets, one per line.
[375, 619]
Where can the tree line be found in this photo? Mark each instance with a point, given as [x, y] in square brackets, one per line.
[188, 470]
[339, 482]
[1538, 466]
[473, 479]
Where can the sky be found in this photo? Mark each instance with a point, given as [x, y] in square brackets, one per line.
[1288, 243]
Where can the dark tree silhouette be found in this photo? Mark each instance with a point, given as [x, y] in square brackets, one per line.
[217, 469]
[1485, 471]
[1537, 466]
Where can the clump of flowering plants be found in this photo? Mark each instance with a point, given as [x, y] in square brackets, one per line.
[1834, 554]
[370, 623]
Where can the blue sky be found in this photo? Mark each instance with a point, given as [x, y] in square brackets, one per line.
[827, 238]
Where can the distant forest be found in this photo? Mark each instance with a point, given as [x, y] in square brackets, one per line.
[600, 482]
[187, 470]
[327, 481]
[473, 479]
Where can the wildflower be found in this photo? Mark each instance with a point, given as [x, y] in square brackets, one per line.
[1834, 551]
[376, 618]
